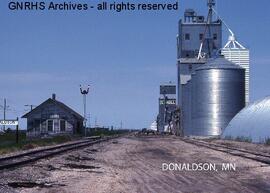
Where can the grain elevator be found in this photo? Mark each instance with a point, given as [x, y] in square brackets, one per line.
[211, 90]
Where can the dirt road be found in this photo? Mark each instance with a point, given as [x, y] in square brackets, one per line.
[134, 165]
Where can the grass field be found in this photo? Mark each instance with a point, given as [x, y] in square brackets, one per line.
[8, 140]
[107, 132]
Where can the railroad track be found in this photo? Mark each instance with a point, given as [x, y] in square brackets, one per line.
[256, 156]
[34, 155]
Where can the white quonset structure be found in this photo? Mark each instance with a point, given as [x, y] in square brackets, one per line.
[251, 123]
[238, 54]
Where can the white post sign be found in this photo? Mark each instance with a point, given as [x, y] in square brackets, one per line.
[9, 122]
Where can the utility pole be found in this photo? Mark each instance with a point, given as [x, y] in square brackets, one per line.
[121, 125]
[5, 108]
[84, 92]
[95, 121]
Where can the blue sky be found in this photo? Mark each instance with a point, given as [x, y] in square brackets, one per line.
[124, 56]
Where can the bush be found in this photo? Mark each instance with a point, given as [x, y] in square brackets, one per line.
[229, 137]
[243, 139]
[105, 132]
[267, 141]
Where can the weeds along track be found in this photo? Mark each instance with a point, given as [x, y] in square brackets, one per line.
[252, 155]
[34, 155]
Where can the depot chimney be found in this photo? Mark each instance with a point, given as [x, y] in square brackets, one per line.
[53, 96]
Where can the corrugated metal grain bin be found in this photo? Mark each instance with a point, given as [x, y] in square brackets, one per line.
[218, 94]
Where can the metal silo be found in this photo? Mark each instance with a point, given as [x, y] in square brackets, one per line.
[218, 94]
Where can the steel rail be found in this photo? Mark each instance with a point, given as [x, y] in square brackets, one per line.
[49, 148]
[31, 156]
[260, 157]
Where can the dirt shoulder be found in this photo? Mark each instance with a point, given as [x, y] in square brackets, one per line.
[244, 145]
[134, 164]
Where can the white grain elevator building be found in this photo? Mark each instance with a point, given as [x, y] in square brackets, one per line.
[238, 54]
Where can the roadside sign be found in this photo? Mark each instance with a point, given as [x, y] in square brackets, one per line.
[9, 122]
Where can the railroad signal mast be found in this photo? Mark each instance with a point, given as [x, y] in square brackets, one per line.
[84, 92]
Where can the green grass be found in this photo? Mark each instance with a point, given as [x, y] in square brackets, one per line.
[239, 138]
[8, 142]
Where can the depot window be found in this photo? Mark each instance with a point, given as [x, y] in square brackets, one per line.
[201, 36]
[50, 125]
[187, 36]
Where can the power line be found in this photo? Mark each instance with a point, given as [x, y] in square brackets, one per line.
[31, 106]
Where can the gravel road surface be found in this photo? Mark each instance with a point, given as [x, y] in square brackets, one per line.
[138, 164]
